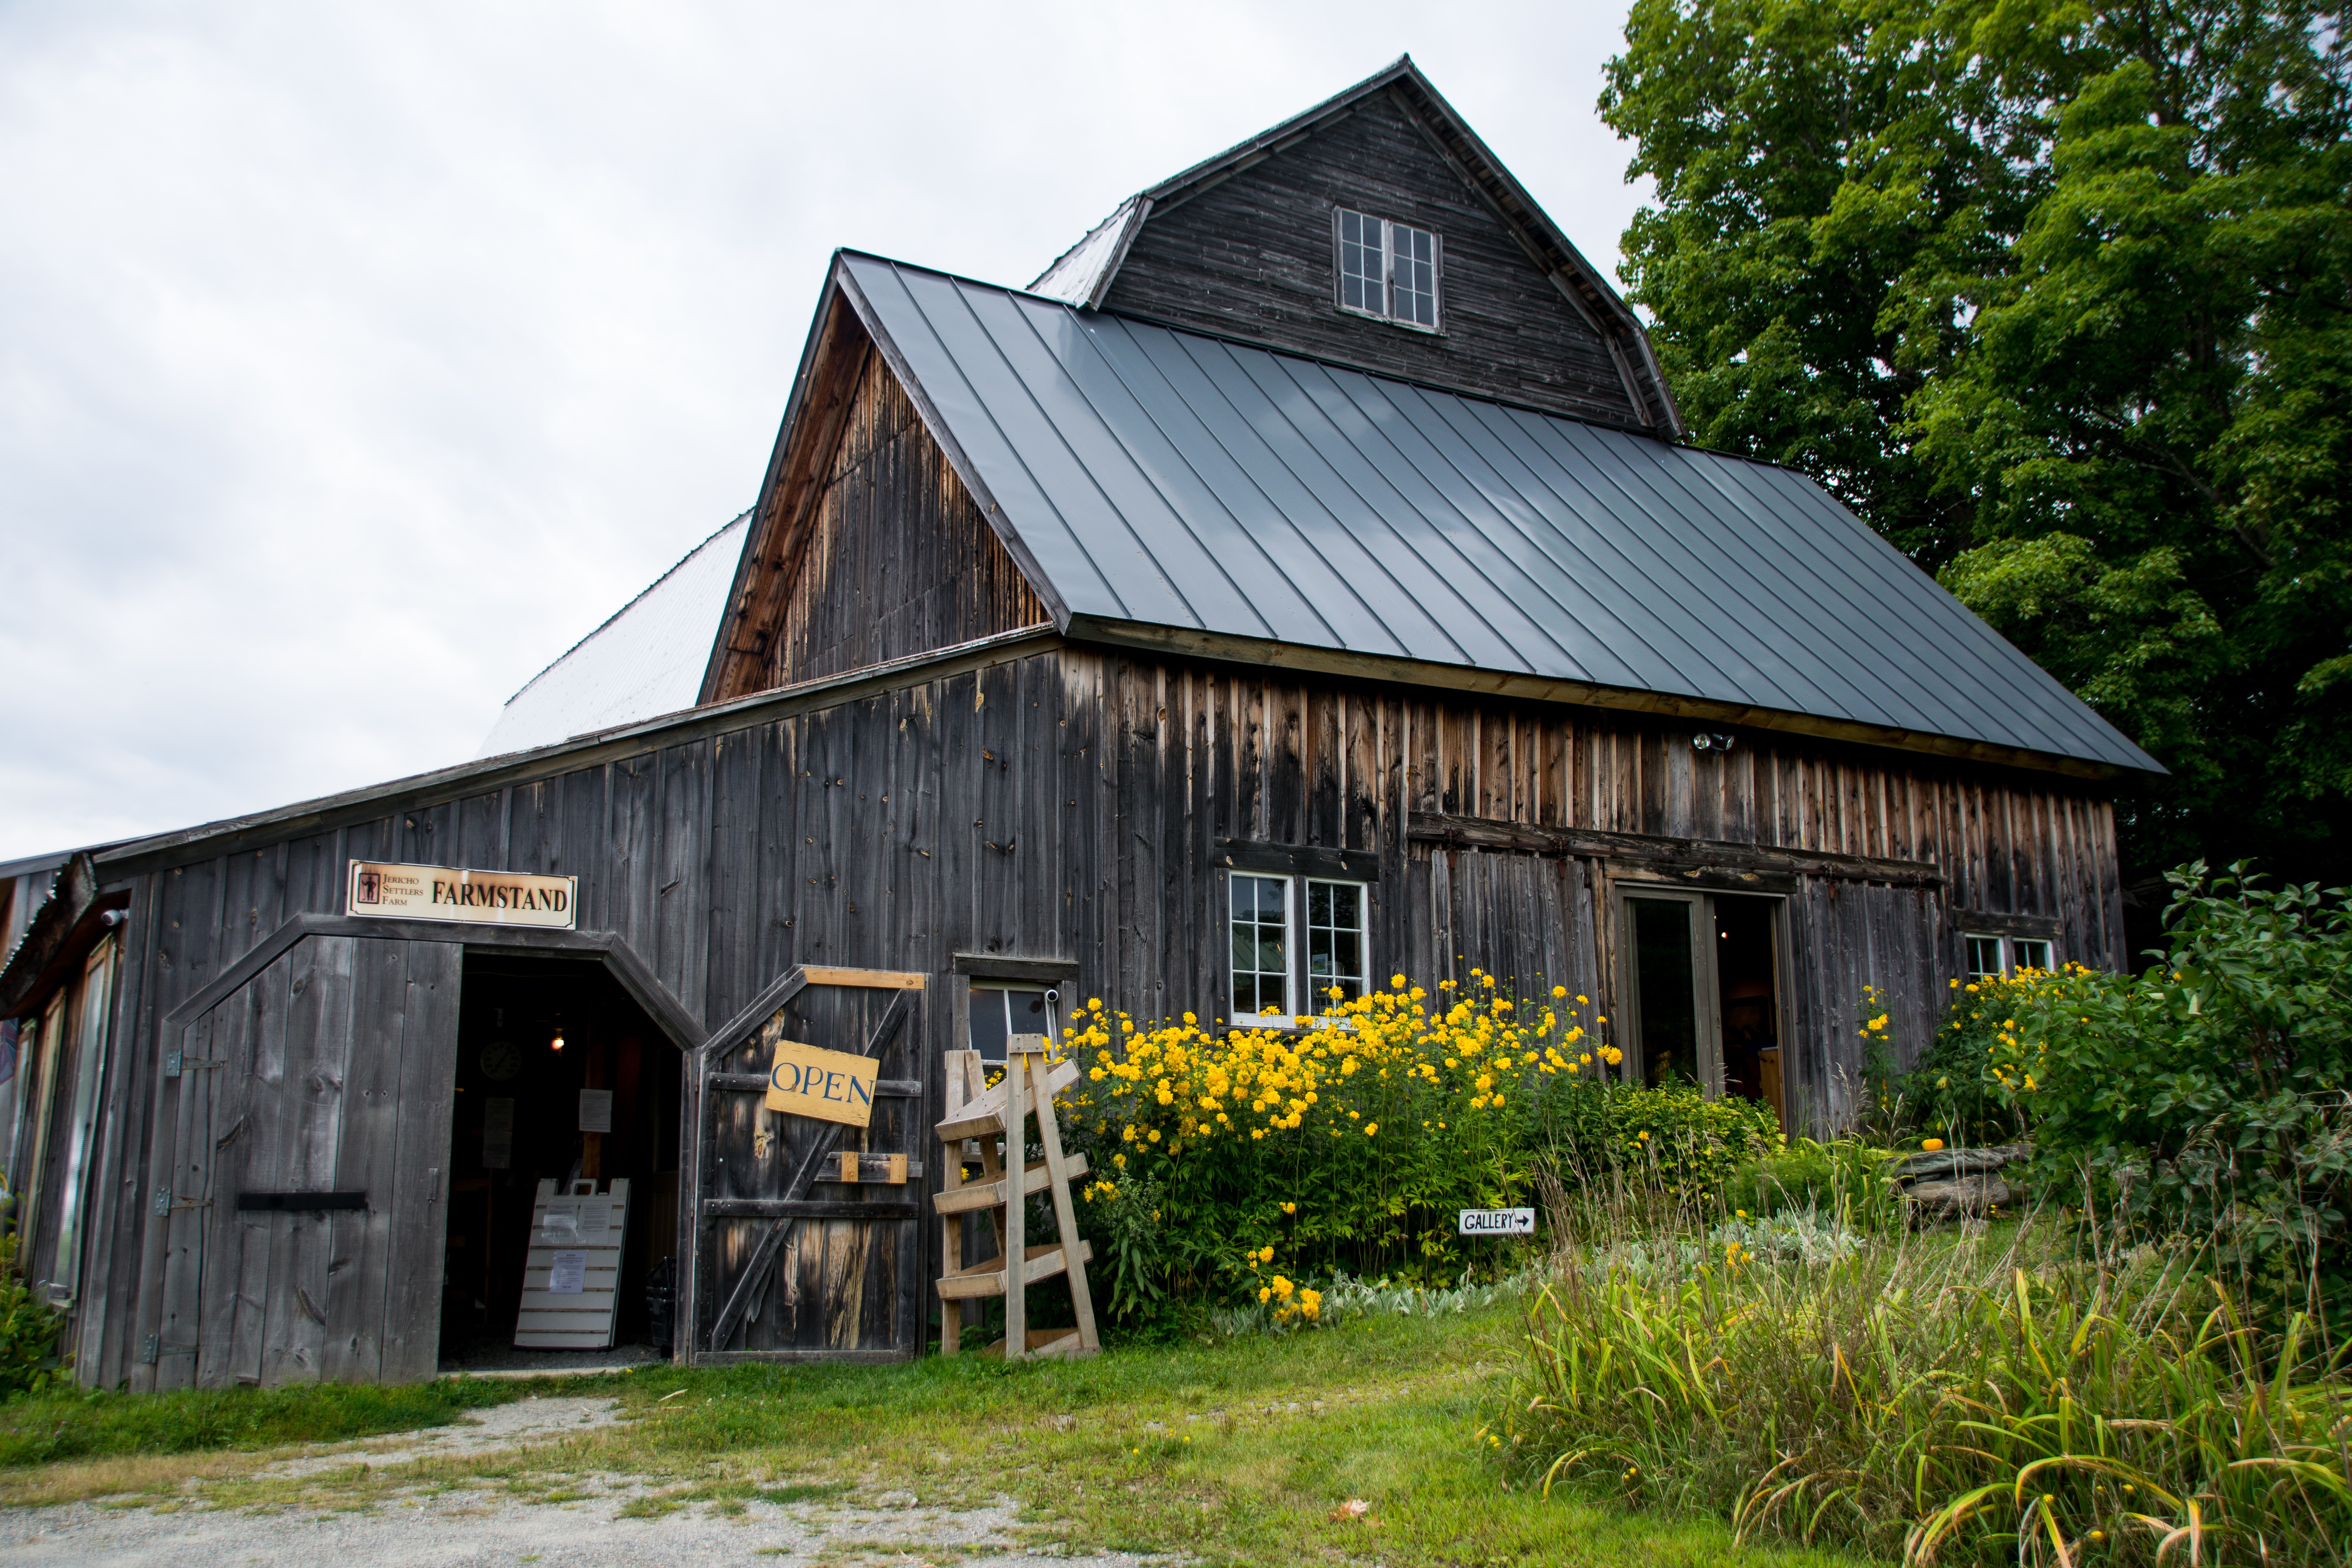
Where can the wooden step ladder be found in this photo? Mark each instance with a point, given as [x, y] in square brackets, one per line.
[977, 1117]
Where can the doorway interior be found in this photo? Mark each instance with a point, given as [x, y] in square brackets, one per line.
[532, 1033]
[1701, 983]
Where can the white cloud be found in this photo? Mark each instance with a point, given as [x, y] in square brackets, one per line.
[354, 360]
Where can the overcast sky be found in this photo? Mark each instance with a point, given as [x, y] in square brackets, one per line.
[357, 360]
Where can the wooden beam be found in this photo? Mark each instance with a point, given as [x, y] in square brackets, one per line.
[1492, 833]
[872, 979]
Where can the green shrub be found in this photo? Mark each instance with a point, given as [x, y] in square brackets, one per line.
[1225, 1156]
[2209, 1095]
[1839, 1178]
[29, 1328]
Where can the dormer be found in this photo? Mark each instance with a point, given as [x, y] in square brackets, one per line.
[1378, 232]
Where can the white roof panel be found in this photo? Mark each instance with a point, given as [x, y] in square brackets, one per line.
[646, 661]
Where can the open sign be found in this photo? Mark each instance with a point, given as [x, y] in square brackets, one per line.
[1499, 1221]
[831, 1086]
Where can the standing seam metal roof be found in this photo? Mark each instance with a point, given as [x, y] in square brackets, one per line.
[1175, 480]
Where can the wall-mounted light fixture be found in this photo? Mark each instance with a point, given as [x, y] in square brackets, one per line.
[557, 1044]
[1708, 742]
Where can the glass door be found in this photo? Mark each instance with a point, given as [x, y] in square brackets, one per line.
[1667, 993]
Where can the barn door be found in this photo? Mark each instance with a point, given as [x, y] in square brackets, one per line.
[309, 1116]
[790, 1260]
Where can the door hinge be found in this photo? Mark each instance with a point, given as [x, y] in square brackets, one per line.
[155, 1349]
[176, 1062]
[165, 1203]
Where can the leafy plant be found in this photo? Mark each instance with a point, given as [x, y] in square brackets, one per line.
[2209, 1095]
[1348, 1143]
[30, 1329]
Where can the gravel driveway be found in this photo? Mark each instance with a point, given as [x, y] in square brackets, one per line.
[486, 1523]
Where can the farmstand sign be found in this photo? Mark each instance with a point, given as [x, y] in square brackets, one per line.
[450, 894]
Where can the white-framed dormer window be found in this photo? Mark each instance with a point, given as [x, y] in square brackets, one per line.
[1991, 957]
[1386, 269]
[1294, 940]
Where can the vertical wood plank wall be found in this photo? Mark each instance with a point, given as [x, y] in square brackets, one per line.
[899, 560]
[1071, 803]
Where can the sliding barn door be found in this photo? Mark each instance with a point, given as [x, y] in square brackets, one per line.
[790, 1261]
[308, 1113]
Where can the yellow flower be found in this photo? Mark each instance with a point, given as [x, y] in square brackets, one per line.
[1370, 1128]
[1931, 1145]
[1266, 1255]
[1290, 1208]
[1644, 1135]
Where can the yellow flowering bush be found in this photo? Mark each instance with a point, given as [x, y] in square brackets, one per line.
[1350, 1138]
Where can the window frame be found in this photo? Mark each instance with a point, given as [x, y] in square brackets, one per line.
[1435, 326]
[1003, 988]
[1362, 978]
[1298, 982]
[2005, 953]
[1290, 918]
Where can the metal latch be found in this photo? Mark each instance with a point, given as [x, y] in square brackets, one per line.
[176, 1062]
[155, 1349]
[165, 1203]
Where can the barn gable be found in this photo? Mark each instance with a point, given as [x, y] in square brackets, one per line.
[867, 546]
[1243, 246]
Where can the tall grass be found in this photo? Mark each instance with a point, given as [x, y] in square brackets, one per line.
[1994, 1396]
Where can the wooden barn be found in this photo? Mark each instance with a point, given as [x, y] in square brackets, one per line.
[1304, 581]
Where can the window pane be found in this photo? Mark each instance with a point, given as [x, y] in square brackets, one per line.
[2025, 954]
[1413, 289]
[988, 1025]
[1261, 970]
[1984, 957]
[1335, 941]
[1362, 267]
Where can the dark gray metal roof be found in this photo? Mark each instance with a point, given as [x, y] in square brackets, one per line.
[1161, 479]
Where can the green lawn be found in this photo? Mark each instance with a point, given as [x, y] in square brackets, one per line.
[1240, 1451]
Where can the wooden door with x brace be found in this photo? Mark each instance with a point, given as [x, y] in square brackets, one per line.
[789, 1260]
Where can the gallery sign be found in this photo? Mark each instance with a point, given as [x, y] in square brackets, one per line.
[1499, 1221]
[449, 893]
[831, 1086]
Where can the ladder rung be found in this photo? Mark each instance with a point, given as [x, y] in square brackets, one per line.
[986, 1114]
[982, 1279]
[973, 1196]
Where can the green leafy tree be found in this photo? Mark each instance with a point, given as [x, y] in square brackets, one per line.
[2059, 297]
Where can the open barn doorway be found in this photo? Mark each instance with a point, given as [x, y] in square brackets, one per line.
[1702, 989]
[1747, 996]
[534, 1033]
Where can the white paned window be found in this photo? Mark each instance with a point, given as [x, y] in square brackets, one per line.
[1261, 943]
[1363, 264]
[1295, 940]
[1335, 943]
[1001, 1012]
[1387, 269]
[1984, 958]
[2025, 954]
[1412, 275]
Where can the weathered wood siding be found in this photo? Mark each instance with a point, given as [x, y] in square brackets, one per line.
[1251, 257]
[1072, 802]
[898, 560]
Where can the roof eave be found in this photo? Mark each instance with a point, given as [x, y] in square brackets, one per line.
[1262, 653]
